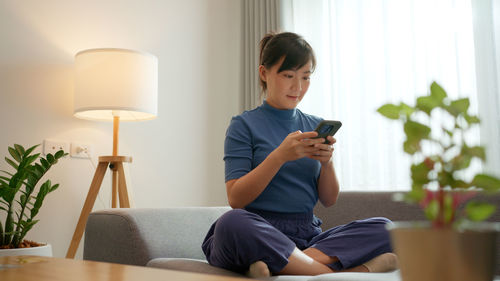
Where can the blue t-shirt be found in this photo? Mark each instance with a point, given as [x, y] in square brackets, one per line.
[250, 138]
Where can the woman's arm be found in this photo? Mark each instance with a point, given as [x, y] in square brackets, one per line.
[328, 185]
[242, 191]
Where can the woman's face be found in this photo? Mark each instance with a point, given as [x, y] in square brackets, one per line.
[285, 89]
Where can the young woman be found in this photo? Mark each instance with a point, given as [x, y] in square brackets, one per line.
[276, 171]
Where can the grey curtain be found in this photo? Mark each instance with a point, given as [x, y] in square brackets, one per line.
[259, 18]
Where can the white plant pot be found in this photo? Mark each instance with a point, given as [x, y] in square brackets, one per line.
[431, 254]
[45, 251]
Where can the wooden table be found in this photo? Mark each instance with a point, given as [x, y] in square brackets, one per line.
[24, 268]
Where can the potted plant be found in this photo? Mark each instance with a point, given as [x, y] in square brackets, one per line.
[453, 244]
[21, 198]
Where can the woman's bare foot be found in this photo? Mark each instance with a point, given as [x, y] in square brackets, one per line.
[383, 263]
[258, 269]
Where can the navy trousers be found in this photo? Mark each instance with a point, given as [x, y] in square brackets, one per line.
[241, 237]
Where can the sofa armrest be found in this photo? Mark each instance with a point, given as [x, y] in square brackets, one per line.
[136, 236]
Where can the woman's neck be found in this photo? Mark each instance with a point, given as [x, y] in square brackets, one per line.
[285, 114]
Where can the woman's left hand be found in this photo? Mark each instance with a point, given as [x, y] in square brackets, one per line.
[325, 152]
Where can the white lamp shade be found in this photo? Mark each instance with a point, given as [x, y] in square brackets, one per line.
[115, 82]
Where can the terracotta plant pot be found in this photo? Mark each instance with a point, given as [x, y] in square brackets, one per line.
[45, 250]
[432, 254]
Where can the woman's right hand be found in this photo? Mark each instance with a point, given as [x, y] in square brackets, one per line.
[298, 145]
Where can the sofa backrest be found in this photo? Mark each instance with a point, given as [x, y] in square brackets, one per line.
[359, 205]
[353, 205]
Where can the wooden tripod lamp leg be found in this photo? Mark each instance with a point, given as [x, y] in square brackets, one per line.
[122, 187]
[114, 187]
[87, 208]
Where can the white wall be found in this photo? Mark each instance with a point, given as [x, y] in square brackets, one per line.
[177, 158]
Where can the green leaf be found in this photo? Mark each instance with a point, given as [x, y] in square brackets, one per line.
[445, 178]
[411, 146]
[427, 104]
[45, 164]
[44, 189]
[35, 173]
[486, 182]
[4, 181]
[472, 119]
[32, 158]
[406, 109]
[460, 184]
[29, 150]
[416, 194]
[14, 165]
[415, 130]
[39, 169]
[27, 228]
[59, 154]
[390, 111]
[479, 211]
[459, 106]
[432, 210]
[475, 151]
[54, 187]
[435, 99]
[419, 173]
[461, 161]
[50, 158]
[7, 173]
[22, 200]
[14, 154]
[19, 148]
[437, 92]
[46, 186]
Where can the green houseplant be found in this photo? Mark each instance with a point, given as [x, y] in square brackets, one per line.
[436, 130]
[20, 195]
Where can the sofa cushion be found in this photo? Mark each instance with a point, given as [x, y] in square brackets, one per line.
[201, 266]
[191, 265]
[357, 276]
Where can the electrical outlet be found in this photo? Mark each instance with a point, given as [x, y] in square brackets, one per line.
[80, 150]
[53, 146]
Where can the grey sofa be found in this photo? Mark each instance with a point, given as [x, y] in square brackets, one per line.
[171, 237]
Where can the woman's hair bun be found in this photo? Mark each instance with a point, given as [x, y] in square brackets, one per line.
[263, 44]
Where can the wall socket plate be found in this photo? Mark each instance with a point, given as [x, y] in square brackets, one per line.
[53, 146]
[80, 150]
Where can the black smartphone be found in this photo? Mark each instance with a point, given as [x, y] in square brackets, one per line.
[327, 128]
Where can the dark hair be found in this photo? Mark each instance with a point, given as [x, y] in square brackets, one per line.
[293, 47]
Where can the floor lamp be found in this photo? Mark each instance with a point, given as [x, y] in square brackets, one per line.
[112, 85]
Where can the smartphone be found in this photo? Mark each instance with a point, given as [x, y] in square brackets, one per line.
[327, 128]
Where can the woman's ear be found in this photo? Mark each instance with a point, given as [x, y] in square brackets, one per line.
[262, 73]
